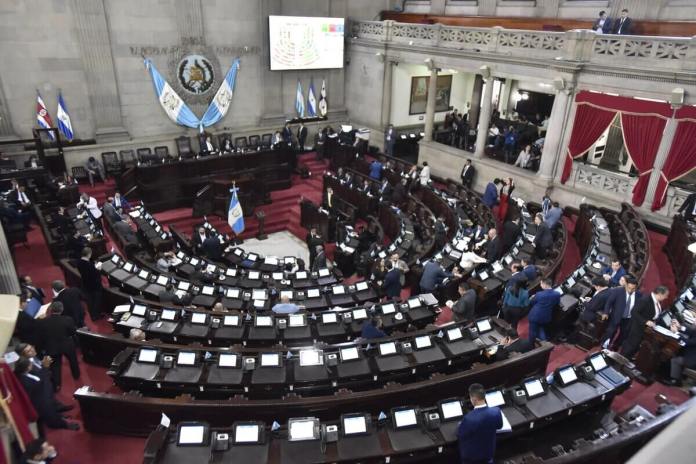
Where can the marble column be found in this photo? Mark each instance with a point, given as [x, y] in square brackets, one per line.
[189, 20]
[272, 81]
[430, 105]
[476, 101]
[558, 121]
[484, 118]
[387, 92]
[92, 33]
[437, 7]
[6, 129]
[9, 285]
[660, 159]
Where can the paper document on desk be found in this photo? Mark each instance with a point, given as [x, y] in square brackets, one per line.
[666, 332]
[134, 214]
[506, 425]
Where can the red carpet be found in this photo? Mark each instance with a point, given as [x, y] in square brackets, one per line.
[284, 213]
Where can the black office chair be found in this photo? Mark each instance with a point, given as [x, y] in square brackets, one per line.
[144, 154]
[112, 165]
[183, 145]
[240, 142]
[254, 141]
[222, 139]
[162, 152]
[128, 159]
[266, 140]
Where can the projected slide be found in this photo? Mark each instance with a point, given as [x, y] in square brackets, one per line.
[305, 43]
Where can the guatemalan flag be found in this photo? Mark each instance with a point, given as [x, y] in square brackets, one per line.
[171, 102]
[311, 101]
[64, 123]
[323, 103]
[235, 217]
[42, 116]
[299, 100]
[221, 102]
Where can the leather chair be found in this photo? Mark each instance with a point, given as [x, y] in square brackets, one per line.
[144, 154]
[266, 140]
[162, 152]
[128, 159]
[112, 165]
[240, 142]
[254, 141]
[79, 173]
[183, 145]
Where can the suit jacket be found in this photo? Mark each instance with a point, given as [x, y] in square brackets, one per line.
[543, 238]
[477, 433]
[196, 241]
[688, 352]
[644, 310]
[36, 292]
[26, 328]
[465, 307]
[125, 231]
[386, 192]
[521, 345]
[91, 278]
[531, 272]
[615, 306]
[467, 175]
[110, 212]
[40, 394]
[71, 298]
[518, 277]
[606, 27]
[595, 305]
[627, 28]
[399, 194]
[493, 251]
[553, 216]
[433, 275]
[688, 206]
[57, 334]
[302, 134]
[319, 261]
[325, 200]
[392, 284]
[287, 135]
[543, 305]
[213, 248]
[490, 195]
[614, 281]
[511, 232]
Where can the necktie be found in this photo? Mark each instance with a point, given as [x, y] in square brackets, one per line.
[627, 309]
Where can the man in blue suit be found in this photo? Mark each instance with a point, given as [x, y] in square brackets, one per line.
[529, 269]
[613, 273]
[595, 306]
[477, 430]
[543, 305]
[490, 195]
[433, 275]
[618, 310]
[392, 281]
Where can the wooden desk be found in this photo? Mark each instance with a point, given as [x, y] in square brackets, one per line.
[681, 235]
[655, 349]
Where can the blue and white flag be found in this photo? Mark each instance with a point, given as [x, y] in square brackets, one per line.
[221, 102]
[171, 102]
[323, 103]
[299, 100]
[311, 101]
[235, 216]
[64, 123]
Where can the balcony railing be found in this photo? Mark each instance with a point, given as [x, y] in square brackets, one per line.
[665, 53]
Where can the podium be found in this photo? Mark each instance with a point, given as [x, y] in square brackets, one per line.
[215, 197]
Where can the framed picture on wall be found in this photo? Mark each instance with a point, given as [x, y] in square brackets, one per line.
[419, 94]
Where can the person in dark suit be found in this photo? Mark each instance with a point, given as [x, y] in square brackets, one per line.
[544, 303]
[490, 195]
[75, 244]
[366, 187]
[493, 249]
[400, 192]
[516, 275]
[20, 198]
[687, 355]
[372, 328]
[623, 25]
[602, 24]
[91, 283]
[319, 259]
[511, 232]
[467, 174]
[594, 307]
[478, 233]
[440, 233]
[645, 312]
[617, 310]
[110, 211]
[465, 307]
[301, 136]
[71, 298]
[41, 397]
[287, 134]
[613, 273]
[212, 248]
[385, 191]
[312, 240]
[198, 238]
[40, 366]
[27, 285]
[476, 434]
[512, 343]
[389, 140]
[328, 201]
[433, 275]
[26, 327]
[124, 230]
[201, 274]
[543, 239]
[61, 220]
[57, 340]
[392, 281]
[688, 208]
[168, 295]
[529, 269]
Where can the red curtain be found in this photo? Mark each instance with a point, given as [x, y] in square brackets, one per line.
[19, 405]
[589, 125]
[682, 155]
[642, 136]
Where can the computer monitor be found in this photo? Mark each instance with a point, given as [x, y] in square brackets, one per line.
[324, 272]
[263, 321]
[311, 358]
[192, 434]
[349, 354]
[289, 294]
[184, 286]
[362, 286]
[128, 267]
[313, 293]
[388, 308]
[338, 290]
[359, 314]
[533, 388]
[302, 429]
[386, 349]
[404, 417]
[139, 310]
[254, 275]
[257, 294]
[208, 290]
[598, 362]
[354, 424]
[199, 318]
[186, 358]
[115, 259]
[231, 321]
[162, 280]
[271, 260]
[567, 375]
[143, 274]
[270, 360]
[454, 334]
[232, 293]
[238, 252]
[231, 272]
[194, 261]
[147, 355]
[297, 320]
[484, 325]
[423, 341]
[277, 276]
[168, 315]
[495, 398]
[451, 409]
[329, 318]
[247, 433]
[227, 360]
[300, 275]
[211, 269]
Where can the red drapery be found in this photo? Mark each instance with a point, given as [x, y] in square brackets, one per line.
[18, 403]
[642, 123]
[682, 155]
